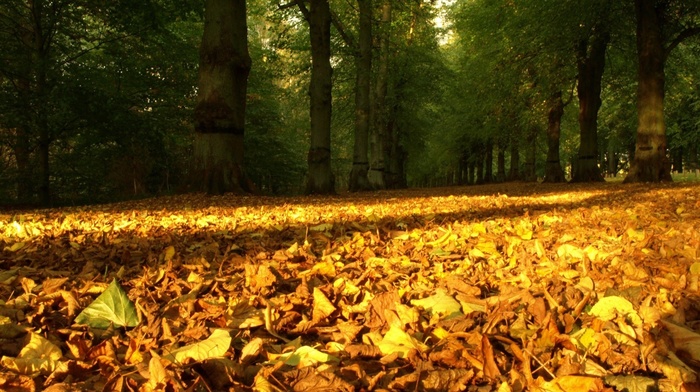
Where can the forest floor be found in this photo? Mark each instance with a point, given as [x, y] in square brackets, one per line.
[505, 287]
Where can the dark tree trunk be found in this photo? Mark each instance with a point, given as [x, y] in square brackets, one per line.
[591, 64]
[530, 166]
[363, 64]
[479, 164]
[377, 166]
[320, 179]
[224, 65]
[650, 162]
[612, 160]
[501, 163]
[677, 155]
[514, 174]
[553, 170]
[488, 164]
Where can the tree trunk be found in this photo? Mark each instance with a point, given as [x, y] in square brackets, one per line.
[514, 174]
[530, 166]
[377, 164]
[591, 64]
[219, 116]
[553, 170]
[501, 163]
[650, 162]
[612, 160]
[360, 166]
[488, 165]
[320, 179]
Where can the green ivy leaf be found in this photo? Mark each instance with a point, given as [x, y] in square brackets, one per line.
[111, 307]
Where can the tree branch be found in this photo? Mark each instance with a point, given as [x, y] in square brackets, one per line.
[349, 40]
[682, 36]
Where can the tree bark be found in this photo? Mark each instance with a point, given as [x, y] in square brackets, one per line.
[488, 164]
[377, 168]
[363, 63]
[514, 174]
[501, 163]
[591, 64]
[530, 166]
[553, 169]
[650, 163]
[219, 116]
[320, 178]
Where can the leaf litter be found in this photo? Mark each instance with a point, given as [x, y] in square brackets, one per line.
[493, 288]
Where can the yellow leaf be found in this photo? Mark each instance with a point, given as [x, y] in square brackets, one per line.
[635, 235]
[214, 346]
[570, 251]
[608, 308]
[168, 253]
[322, 306]
[157, 375]
[15, 247]
[38, 356]
[398, 341]
[305, 356]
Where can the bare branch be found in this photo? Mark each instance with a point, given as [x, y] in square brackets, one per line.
[349, 40]
[682, 36]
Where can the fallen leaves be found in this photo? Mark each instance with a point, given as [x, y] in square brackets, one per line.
[505, 288]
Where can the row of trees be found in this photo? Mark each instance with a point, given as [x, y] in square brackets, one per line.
[99, 102]
[596, 51]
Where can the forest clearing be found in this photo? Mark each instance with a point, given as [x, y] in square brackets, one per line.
[510, 287]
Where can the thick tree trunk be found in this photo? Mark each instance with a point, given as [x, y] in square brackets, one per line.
[591, 64]
[224, 65]
[650, 162]
[553, 170]
[376, 174]
[360, 165]
[320, 179]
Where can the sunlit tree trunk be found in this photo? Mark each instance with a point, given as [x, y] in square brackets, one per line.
[376, 174]
[650, 162]
[224, 65]
[360, 165]
[591, 64]
[553, 170]
[320, 179]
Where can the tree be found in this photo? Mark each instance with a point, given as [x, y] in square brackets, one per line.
[379, 113]
[553, 170]
[220, 111]
[320, 178]
[362, 51]
[658, 33]
[591, 64]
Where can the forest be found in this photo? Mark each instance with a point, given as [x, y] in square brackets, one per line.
[110, 102]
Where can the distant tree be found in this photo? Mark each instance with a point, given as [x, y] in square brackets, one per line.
[553, 169]
[320, 178]
[224, 65]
